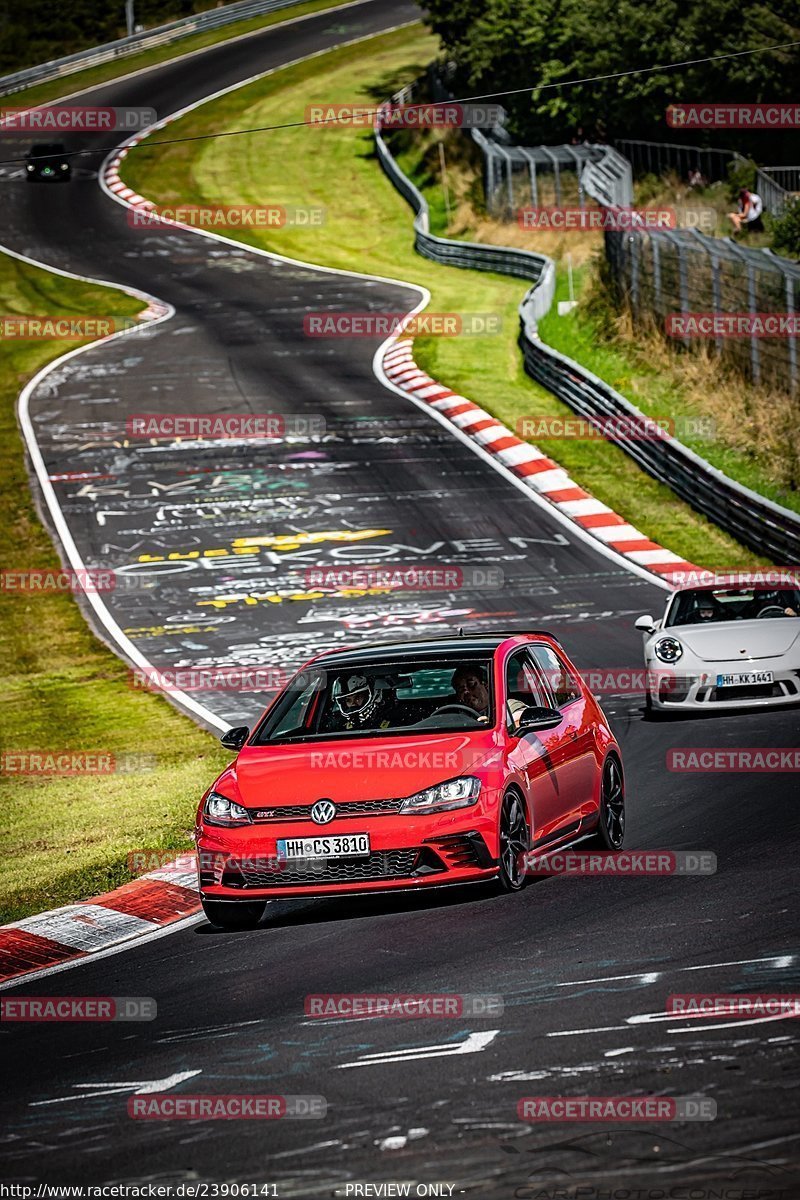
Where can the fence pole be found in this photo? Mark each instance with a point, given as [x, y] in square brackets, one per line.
[683, 285]
[755, 354]
[656, 248]
[716, 295]
[534, 185]
[791, 341]
[635, 273]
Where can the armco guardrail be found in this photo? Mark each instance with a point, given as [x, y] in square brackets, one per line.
[501, 260]
[160, 36]
[764, 527]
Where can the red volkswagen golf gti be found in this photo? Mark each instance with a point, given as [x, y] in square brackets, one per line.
[409, 766]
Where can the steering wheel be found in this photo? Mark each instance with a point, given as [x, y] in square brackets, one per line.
[460, 708]
[770, 611]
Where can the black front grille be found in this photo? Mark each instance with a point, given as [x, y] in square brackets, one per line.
[302, 812]
[751, 691]
[386, 864]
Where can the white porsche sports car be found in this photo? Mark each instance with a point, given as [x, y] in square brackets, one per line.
[724, 647]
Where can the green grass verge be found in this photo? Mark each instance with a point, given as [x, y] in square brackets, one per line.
[92, 76]
[66, 838]
[368, 228]
[660, 388]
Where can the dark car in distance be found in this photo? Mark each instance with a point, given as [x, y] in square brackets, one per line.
[48, 161]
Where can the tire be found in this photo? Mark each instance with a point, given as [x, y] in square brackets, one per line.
[236, 914]
[514, 840]
[610, 834]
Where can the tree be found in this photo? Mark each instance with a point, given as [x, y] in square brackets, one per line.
[536, 45]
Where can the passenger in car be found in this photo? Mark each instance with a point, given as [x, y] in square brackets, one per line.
[471, 687]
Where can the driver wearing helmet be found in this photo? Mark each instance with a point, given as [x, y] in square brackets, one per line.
[706, 609]
[362, 700]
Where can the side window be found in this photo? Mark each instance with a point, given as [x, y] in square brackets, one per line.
[523, 687]
[563, 684]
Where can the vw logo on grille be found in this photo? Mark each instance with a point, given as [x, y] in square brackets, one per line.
[323, 811]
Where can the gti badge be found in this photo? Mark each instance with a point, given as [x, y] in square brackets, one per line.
[323, 811]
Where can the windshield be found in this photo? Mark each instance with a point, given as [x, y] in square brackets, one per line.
[704, 606]
[383, 700]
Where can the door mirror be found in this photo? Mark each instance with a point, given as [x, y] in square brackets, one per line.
[646, 624]
[234, 739]
[536, 717]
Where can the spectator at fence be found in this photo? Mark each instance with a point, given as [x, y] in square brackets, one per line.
[748, 218]
[697, 179]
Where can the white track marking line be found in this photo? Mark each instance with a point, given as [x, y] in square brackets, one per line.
[142, 1087]
[68, 545]
[779, 961]
[473, 1044]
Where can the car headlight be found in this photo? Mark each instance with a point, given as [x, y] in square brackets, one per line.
[668, 649]
[221, 811]
[64, 166]
[456, 793]
[30, 167]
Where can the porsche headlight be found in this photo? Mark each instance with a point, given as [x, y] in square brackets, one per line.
[455, 793]
[668, 649]
[219, 810]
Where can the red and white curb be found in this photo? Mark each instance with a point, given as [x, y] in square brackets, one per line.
[77, 931]
[539, 473]
[117, 185]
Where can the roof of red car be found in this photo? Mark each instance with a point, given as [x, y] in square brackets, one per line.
[449, 647]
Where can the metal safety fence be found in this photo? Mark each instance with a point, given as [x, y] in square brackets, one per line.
[515, 176]
[656, 158]
[776, 186]
[662, 274]
[502, 260]
[758, 523]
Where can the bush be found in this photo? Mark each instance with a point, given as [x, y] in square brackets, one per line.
[786, 230]
[741, 174]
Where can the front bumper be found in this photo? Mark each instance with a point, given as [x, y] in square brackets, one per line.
[415, 852]
[695, 688]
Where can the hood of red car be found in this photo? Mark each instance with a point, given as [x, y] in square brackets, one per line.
[364, 769]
